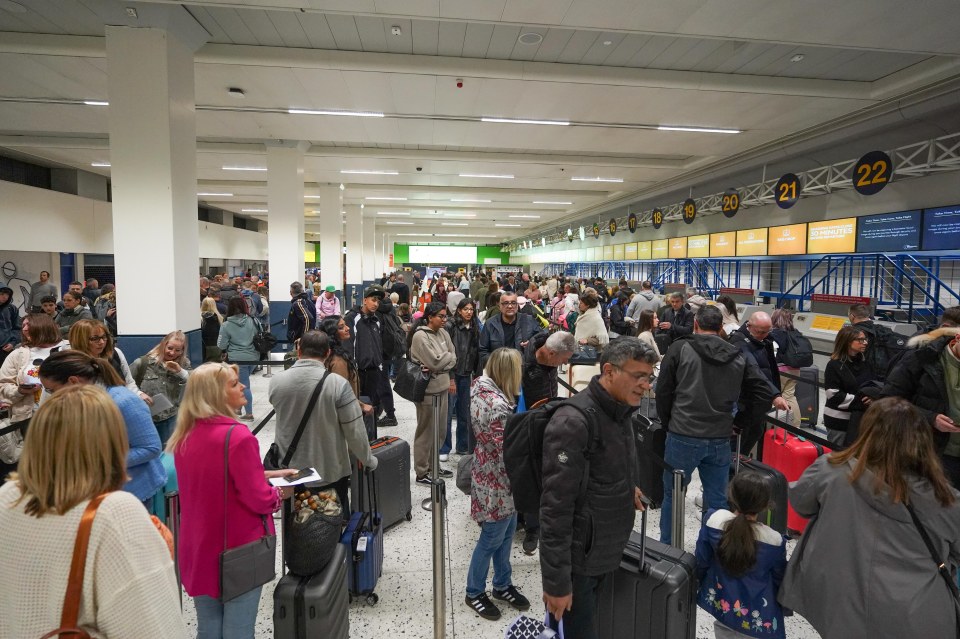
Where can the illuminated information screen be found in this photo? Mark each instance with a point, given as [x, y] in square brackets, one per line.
[890, 232]
[787, 240]
[751, 242]
[832, 236]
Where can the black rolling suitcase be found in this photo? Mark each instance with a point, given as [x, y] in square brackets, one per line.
[653, 593]
[808, 395]
[776, 517]
[651, 440]
[315, 606]
[391, 481]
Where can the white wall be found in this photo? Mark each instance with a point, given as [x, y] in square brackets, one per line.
[19, 269]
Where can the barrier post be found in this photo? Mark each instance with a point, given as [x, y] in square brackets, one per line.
[437, 503]
[679, 494]
[172, 504]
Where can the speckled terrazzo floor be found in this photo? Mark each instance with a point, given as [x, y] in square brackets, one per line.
[405, 608]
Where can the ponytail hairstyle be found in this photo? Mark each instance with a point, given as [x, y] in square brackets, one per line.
[63, 365]
[748, 494]
[433, 308]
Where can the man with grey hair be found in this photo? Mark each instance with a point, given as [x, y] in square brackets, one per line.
[676, 321]
[701, 379]
[302, 315]
[600, 517]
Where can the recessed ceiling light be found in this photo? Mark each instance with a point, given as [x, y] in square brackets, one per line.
[254, 210]
[453, 224]
[525, 121]
[400, 223]
[356, 114]
[454, 235]
[596, 179]
[696, 129]
[100, 164]
[385, 199]
[368, 172]
[312, 197]
[548, 202]
[96, 103]
[486, 175]
[508, 225]
[395, 214]
[244, 168]
[459, 215]
[797, 58]
[526, 217]
[341, 188]
[469, 200]
[216, 194]
[530, 37]
[607, 43]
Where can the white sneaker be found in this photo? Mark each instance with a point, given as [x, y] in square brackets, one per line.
[698, 501]
[444, 457]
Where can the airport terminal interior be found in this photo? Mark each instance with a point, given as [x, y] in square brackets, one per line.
[786, 155]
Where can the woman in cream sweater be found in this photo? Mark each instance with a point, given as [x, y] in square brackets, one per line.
[432, 348]
[591, 329]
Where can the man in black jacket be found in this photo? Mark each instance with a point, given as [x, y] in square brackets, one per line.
[365, 331]
[676, 321]
[509, 328]
[393, 343]
[754, 341]
[583, 536]
[701, 378]
[884, 347]
[302, 315]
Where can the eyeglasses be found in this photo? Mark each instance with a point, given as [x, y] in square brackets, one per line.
[640, 377]
[442, 315]
[862, 340]
[508, 303]
[98, 338]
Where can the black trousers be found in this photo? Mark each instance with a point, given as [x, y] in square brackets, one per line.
[580, 622]
[370, 386]
[385, 391]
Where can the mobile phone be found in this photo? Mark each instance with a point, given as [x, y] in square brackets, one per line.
[303, 472]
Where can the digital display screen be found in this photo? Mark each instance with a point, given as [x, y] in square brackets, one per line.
[698, 246]
[643, 250]
[723, 244]
[608, 252]
[787, 240]
[941, 228]
[443, 254]
[618, 251]
[660, 248]
[630, 251]
[832, 236]
[751, 242]
[889, 232]
[678, 247]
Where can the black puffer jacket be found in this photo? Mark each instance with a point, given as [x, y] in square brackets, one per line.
[367, 341]
[466, 342]
[760, 351]
[587, 536]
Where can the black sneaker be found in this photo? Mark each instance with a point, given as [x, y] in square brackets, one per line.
[484, 607]
[513, 597]
[387, 422]
[444, 473]
[425, 480]
[530, 540]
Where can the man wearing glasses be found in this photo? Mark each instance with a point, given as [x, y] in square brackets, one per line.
[754, 341]
[701, 378]
[509, 328]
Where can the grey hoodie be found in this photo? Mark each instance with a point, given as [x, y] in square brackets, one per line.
[701, 378]
[643, 301]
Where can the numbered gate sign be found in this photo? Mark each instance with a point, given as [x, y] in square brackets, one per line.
[787, 191]
[596, 230]
[632, 222]
[730, 202]
[872, 172]
[657, 218]
[612, 226]
[689, 210]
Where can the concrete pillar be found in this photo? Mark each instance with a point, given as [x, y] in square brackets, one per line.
[353, 231]
[327, 218]
[285, 244]
[153, 144]
[370, 262]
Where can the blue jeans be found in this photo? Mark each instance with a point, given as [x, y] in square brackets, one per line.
[165, 428]
[496, 540]
[235, 619]
[244, 375]
[459, 404]
[711, 457]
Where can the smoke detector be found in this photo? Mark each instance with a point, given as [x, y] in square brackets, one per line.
[530, 38]
[395, 30]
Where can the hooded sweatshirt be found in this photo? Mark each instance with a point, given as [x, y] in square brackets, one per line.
[434, 349]
[236, 338]
[643, 301]
[701, 377]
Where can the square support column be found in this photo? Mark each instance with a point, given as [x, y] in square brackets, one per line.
[285, 220]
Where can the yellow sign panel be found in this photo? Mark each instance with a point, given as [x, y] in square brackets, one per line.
[608, 252]
[660, 249]
[643, 250]
[678, 247]
[827, 323]
[832, 236]
[751, 242]
[618, 251]
[723, 244]
[698, 246]
[630, 251]
[787, 240]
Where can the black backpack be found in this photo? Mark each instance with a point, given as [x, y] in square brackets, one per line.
[392, 336]
[884, 349]
[523, 449]
[797, 351]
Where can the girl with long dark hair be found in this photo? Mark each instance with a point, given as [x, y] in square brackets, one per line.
[339, 360]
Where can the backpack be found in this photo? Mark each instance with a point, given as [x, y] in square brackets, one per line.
[523, 450]
[797, 351]
[884, 349]
[392, 335]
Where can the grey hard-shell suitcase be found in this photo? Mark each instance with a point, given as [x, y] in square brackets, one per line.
[315, 606]
[391, 481]
[653, 593]
[808, 395]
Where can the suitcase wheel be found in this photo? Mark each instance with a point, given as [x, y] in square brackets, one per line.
[372, 599]
[409, 515]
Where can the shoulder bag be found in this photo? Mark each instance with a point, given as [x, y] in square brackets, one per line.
[248, 566]
[272, 460]
[263, 340]
[411, 381]
[941, 565]
[71, 602]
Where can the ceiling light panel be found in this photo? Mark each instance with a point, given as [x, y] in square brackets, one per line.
[400, 223]
[525, 121]
[491, 176]
[596, 179]
[387, 199]
[244, 168]
[470, 200]
[454, 224]
[696, 129]
[394, 213]
[368, 172]
[254, 210]
[548, 202]
[516, 226]
[100, 165]
[526, 217]
[355, 114]
[215, 194]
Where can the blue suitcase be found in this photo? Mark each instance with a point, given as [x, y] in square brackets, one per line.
[364, 541]
[159, 498]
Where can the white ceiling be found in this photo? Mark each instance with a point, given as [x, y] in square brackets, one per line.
[602, 63]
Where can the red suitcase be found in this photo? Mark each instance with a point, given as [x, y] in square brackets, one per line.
[791, 455]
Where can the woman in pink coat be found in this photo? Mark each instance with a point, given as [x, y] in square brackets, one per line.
[212, 397]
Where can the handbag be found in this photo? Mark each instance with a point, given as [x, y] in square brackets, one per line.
[71, 601]
[465, 474]
[248, 566]
[312, 538]
[941, 565]
[411, 381]
[524, 627]
[263, 341]
[272, 460]
[11, 441]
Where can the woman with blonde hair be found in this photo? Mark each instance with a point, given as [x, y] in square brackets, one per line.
[211, 449]
[94, 339]
[70, 368]
[494, 398]
[210, 321]
[161, 375]
[74, 462]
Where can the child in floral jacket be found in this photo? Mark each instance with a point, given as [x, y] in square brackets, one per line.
[740, 564]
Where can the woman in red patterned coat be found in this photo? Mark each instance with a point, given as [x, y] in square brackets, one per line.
[493, 399]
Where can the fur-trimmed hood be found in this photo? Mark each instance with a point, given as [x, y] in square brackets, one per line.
[921, 340]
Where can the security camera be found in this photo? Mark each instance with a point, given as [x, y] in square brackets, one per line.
[419, 168]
